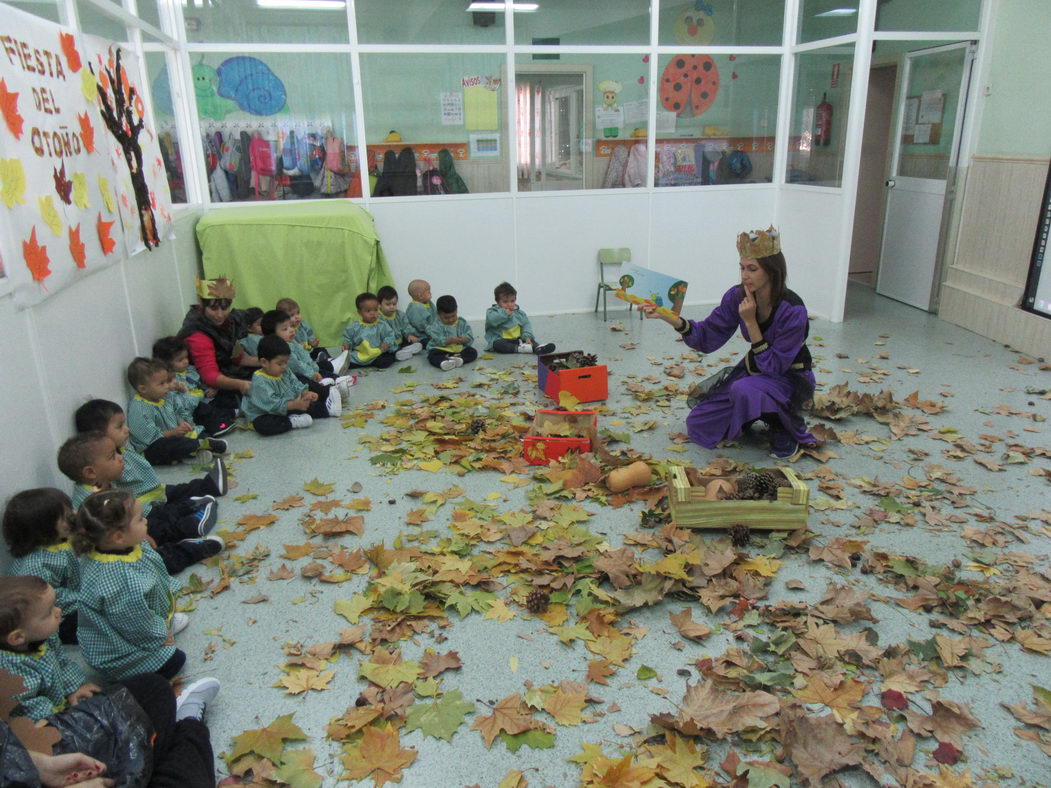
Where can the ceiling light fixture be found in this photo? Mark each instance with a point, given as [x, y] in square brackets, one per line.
[499, 5]
[304, 5]
[839, 12]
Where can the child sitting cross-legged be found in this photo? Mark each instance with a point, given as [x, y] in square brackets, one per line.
[192, 403]
[405, 337]
[300, 364]
[30, 648]
[127, 602]
[420, 312]
[254, 322]
[370, 341]
[178, 530]
[278, 401]
[451, 337]
[507, 327]
[305, 335]
[156, 429]
[36, 529]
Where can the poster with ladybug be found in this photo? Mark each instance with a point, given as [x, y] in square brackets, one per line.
[68, 185]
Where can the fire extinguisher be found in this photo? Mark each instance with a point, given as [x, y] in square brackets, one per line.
[823, 122]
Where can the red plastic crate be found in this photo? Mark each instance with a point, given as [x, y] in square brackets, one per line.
[587, 384]
[540, 449]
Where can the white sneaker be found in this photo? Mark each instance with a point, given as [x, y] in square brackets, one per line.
[179, 622]
[451, 363]
[327, 382]
[404, 354]
[301, 421]
[414, 348]
[339, 363]
[525, 347]
[344, 385]
[334, 403]
[193, 700]
[203, 457]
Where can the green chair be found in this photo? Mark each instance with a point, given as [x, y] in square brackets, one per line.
[606, 259]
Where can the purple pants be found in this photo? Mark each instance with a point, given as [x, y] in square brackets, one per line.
[742, 398]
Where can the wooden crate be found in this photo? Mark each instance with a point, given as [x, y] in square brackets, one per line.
[690, 509]
[539, 449]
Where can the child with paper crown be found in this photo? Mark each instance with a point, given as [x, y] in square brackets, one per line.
[774, 379]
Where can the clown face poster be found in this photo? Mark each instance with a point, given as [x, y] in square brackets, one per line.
[81, 179]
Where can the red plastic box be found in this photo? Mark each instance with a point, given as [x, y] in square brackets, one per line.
[587, 384]
[540, 449]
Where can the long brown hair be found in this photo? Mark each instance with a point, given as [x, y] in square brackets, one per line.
[777, 272]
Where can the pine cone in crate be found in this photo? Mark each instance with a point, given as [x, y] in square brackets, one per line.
[537, 601]
[757, 486]
[740, 535]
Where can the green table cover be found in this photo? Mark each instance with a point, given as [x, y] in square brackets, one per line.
[322, 254]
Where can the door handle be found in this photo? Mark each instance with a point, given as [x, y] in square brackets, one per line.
[890, 183]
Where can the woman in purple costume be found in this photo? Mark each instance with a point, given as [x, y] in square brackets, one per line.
[774, 379]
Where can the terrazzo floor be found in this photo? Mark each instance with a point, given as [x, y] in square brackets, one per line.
[241, 635]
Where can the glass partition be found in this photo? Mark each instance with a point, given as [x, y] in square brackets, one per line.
[820, 101]
[164, 113]
[442, 113]
[45, 9]
[582, 22]
[427, 22]
[266, 21]
[716, 119]
[722, 22]
[949, 15]
[93, 21]
[827, 18]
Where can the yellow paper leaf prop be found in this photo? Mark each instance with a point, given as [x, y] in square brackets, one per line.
[80, 190]
[50, 215]
[13, 178]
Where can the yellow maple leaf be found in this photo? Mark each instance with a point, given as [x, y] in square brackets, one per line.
[305, 679]
[359, 504]
[49, 214]
[297, 769]
[379, 753]
[13, 178]
[513, 779]
[267, 742]
[566, 704]
[251, 522]
[80, 190]
[762, 564]
[318, 487]
[351, 609]
[107, 194]
[431, 465]
[499, 611]
[567, 400]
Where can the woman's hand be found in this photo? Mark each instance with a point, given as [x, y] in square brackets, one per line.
[747, 308]
[650, 310]
[72, 769]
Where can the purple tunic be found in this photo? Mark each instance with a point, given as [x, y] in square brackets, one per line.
[773, 379]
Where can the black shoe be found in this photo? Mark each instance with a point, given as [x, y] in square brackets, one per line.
[224, 427]
[204, 547]
[543, 350]
[218, 477]
[207, 514]
[217, 446]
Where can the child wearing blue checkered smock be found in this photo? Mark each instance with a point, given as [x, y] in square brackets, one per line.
[48, 675]
[192, 403]
[406, 340]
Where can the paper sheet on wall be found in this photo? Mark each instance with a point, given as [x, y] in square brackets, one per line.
[636, 111]
[665, 121]
[912, 108]
[932, 104]
[452, 109]
[608, 118]
[921, 133]
[480, 102]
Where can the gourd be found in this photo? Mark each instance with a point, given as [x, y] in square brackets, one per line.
[634, 475]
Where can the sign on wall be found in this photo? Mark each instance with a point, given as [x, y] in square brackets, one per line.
[81, 176]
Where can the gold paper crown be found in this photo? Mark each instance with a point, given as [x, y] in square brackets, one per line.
[759, 243]
[215, 288]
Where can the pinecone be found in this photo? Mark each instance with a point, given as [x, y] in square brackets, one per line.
[537, 601]
[740, 535]
[477, 425]
[757, 486]
[588, 360]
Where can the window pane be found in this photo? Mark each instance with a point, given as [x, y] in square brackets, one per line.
[583, 22]
[933, 99]
[944, 15]
[819, 117]
[164, 114]
[417, 106]
[426, 22]
[268, 21]
[93, 21]
[148, 13]
[45, 9]
[827, 18]
[717, 116]
[582, 122]
[272, 131]
[722, 22]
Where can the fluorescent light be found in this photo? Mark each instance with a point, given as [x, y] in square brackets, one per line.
[839, 12]
[304, 5]
[498, 5]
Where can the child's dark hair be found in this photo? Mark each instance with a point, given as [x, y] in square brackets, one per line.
[77, 453]
[272, 319]
[286, 305]
[167, 348]
[446, 305]
[17, 595]
[386, 293]
[142, 369]
[101, 514]
[272, 346]
[503, 290]
[363, 297]
[95, 415]
[30, 518]
[252, 314]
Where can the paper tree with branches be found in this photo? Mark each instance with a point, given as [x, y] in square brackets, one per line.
[124, 113]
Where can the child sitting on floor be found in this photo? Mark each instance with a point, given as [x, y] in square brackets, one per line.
[304, 333]
[451, 338]
[300, 364]
[156, 430]
[407, 342]
[30, 649]
[370, 341]
[36, 529]
[254, 322]
[278, 401]
[507, 327]
[127, 600]
[420, 312]
[179, 530]
[191, 402]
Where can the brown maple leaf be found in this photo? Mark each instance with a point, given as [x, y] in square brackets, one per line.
[281, 573]
[9, 108]
[566, 704]
[325, 507]
[294, 552]
[434, 663]
[599, 670]
[818, 745]
[351, 562]
[839, 696]
[705, 707]
[510, 716]
[36, 257]
[63, 185]
[291, 502]
[299, 681]
[688, 628]
[379, 754]
[251, 522]
[333, 526]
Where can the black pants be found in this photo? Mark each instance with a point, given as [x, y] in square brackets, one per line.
[277, 423]
[212, 418]
[436, 357]
[182, 751]
[67, 630]
[226, 400]
[165, 451]
[382, 361]
[507, 345]
[168, 524]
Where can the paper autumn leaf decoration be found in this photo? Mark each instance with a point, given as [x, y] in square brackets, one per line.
[63, 186]
[107, 195]
[80, 190]
[13, 178]
[104, 228]
[76, 247]
[9, 108]
[49, 214]
[87, 86]
[69, 49]
[36, 258]
[87, 132]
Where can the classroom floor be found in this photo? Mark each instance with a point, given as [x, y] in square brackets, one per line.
[887, 507]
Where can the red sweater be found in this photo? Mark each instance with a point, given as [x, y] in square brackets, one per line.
[202, 356]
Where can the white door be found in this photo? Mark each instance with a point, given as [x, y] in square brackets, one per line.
[926, 146]
[552, 129]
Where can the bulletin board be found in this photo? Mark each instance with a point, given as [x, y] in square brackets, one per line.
[919, 126]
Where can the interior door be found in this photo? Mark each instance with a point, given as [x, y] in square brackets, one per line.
[552, 129]
[925, 151]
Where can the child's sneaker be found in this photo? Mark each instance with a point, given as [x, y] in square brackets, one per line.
[179, 622]
[204, 547]
[206, 515]
[217, 446]
[783, 446]
[543, 350]
[339, 363]
[301, 421]
[193, 701]
[404, 354]
[524, 347]
[334, 403]
[224, 428]
[203, 457]
[218, 477]
[451, 363]
[344, 384]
